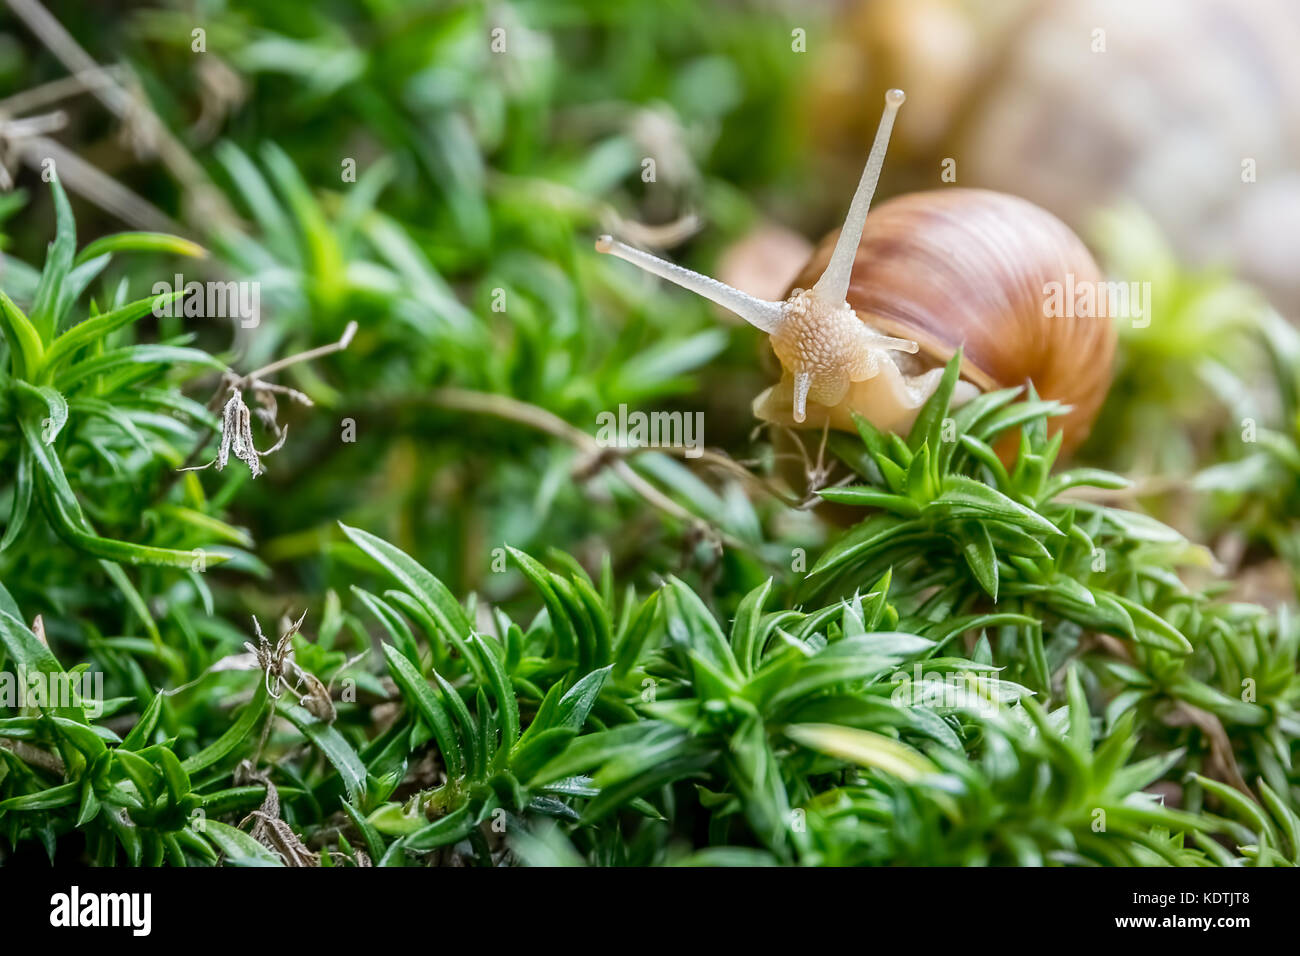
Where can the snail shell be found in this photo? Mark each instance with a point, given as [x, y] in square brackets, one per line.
[969, 268]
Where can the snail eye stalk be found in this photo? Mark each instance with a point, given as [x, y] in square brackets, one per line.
[757, 312]
[833, 286]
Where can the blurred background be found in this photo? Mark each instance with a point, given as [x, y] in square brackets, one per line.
[436, 172]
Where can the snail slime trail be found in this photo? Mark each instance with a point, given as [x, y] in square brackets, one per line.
[887, 300]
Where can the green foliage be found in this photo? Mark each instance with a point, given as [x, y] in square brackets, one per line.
[1258, 492]
[463, 250]
[1175, 361]
[539, 652]
[960, 530]
[799, 736]
[89, 421]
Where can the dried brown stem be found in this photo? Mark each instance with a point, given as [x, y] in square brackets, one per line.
[130, 106]
[41, 96]
[344, 341]
[503, 406]
[34, 756]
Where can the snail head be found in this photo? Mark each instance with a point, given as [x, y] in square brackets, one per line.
[815, 333]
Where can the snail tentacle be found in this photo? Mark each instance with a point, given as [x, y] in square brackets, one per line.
[802, 383]
[821, 339]
[757, 312]
[833, 286]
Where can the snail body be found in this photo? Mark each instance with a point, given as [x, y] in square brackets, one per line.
[887, 300]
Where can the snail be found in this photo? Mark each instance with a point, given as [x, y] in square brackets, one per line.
[887, 300]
